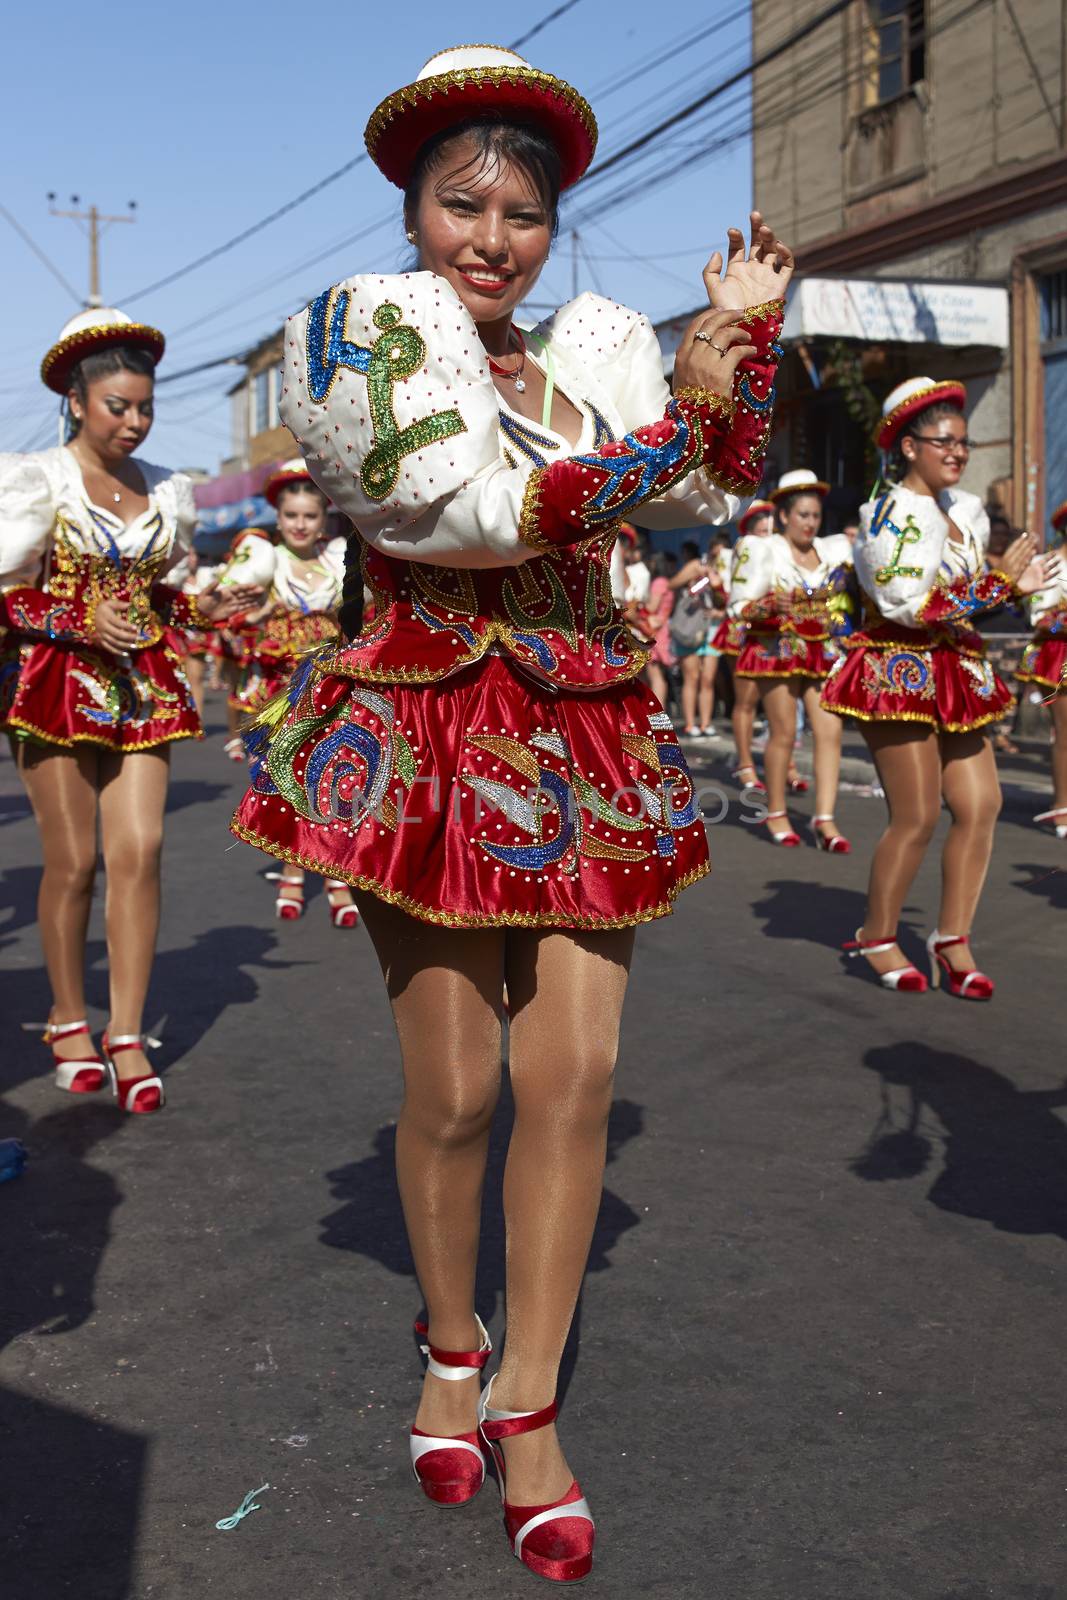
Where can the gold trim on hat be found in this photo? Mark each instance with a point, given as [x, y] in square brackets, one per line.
[441, 82]
[939, 387]
[140, 333]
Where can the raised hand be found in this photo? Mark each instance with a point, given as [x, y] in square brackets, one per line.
[217, 603]
[752, 276]
[710, 352]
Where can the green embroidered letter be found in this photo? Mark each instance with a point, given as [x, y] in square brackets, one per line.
[911, 533]
[399, 352]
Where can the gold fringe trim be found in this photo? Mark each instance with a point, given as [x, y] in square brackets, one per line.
[769, 308]
[407, 99]
[799, 672]
[1034, 677]
[706, 397]
[915, 716]
[529, 529]
[17, 725]
[445, 919]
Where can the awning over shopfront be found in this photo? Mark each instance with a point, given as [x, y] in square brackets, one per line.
[878, 311]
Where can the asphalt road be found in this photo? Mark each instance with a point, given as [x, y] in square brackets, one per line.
[820, 1349]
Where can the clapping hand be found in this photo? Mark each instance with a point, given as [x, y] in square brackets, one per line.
[217, 604]
[752, 277]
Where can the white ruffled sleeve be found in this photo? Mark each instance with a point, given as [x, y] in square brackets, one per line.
[751, 573]
[620, 348]
[27, 519]
[251, 561]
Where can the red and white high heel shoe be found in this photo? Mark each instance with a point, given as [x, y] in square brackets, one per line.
[909, 980]
[555, 1541]
[136, 1095]
[797, 784]
[755, 782]
[837, 844]
[234, 748]
[84, 1076]
[289, 907]
[1057, 817]
[969, 985]
[345, 916]
[450, 1469]
[789, 839]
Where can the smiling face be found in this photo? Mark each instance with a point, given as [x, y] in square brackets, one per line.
[802, 520]
[301, 520]
[935, 449]
[115, 413]
[481, 223]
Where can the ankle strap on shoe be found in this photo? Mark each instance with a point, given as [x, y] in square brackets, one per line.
[61, 1030]
[453, 1365]
[498, 1424]
[132, 1041]
[868, 947]
[945, 941]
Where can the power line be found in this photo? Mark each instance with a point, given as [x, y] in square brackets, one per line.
[305, 195]
[39, 253]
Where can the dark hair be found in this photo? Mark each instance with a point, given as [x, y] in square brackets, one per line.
[302, 488]
[118, 358]
[659, 565]
[690, 550]
[785, 505]
[898, 463]
[521, 144]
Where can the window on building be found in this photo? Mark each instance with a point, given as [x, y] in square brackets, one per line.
[262, 401]
[900, 26]
[1054, 307]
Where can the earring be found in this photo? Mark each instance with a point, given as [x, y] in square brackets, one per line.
[412, 236]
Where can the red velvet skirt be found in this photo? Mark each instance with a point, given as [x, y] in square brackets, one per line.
[729, 636]
[1043, 660]
[784, 655]
[485, 799]
[925, 681]
[71, 694]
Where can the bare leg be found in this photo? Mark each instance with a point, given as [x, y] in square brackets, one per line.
[690, 679]
[826, 736]
[743, 718]
[566, 992]
[908, 762]
[194, 671]
[780, 705]
[1058, 711]
[231, 677]
[62, 787]
[133, 794]
[972, 793]
[446, 990]
[706, 693]
[657, 682]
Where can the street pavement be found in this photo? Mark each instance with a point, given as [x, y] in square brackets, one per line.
[820, 1348]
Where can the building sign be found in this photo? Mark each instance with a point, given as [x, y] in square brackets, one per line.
[878, 311]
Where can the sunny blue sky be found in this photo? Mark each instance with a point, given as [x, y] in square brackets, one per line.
[211, 116]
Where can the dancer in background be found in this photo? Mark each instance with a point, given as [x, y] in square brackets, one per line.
[916, 677]
[1044, 663]
[194, 645]
[480, 763]
[755, 522]
[789, 589]
[300, 612]
[249, 562]
[87, 533]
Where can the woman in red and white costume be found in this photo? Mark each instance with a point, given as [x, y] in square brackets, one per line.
[304, 580]
[915, 675]
[1044, 663]
[97, 695]
[791, 589]
[249, 561]
[755, 522]
[480, 763]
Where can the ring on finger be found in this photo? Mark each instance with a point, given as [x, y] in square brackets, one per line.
[705, 338]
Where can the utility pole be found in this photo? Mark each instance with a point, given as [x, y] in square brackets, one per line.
[97, 223]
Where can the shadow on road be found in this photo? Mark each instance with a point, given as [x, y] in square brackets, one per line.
[1003, 1149]
[70, 1487]
[370, 1222]
[1048, 881]
[182, 792]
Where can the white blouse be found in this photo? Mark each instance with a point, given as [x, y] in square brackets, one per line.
[455, 494]
[312, 588]
[767, 564]
[903, 549]
[43, 494]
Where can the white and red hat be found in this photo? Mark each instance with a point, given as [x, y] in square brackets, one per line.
[908, 399]
[758, 508]
[290, 475]
[1059, 518]
[479, 80]
[99, 329]
[800, 481]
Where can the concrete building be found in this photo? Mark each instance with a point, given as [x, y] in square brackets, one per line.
[917, 149]
[257, 436]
